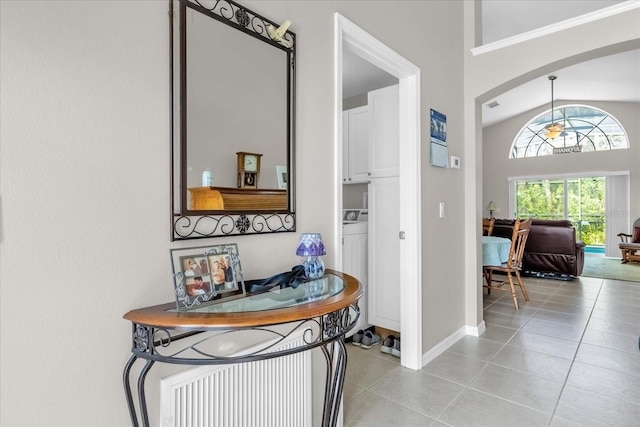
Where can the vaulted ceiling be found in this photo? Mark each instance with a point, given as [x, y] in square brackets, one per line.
[612, 78]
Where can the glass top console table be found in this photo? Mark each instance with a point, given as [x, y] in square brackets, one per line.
[323, 310]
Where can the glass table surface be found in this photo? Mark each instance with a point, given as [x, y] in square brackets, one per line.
[314, 290]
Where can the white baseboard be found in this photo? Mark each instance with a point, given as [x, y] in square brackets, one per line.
[443, 345]
[476, 331]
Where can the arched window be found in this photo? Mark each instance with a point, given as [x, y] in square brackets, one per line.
[580, 128]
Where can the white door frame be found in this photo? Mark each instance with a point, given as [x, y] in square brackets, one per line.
[349, 35]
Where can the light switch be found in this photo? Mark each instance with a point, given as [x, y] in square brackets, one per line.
[441, 209]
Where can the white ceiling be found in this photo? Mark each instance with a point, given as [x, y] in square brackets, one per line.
[360, 76]
[612, 78]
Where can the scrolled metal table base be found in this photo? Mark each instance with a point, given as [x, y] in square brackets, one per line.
[327, 332]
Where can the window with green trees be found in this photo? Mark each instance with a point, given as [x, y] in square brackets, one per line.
[579, 200]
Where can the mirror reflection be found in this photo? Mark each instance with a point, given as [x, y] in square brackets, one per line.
[233, 118]
[236, 102]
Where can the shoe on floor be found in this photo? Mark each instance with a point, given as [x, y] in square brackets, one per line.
[356, 339]
[387, 344]
[395, 351]
[369, 340]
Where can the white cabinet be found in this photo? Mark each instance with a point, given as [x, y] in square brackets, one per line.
[355, 145]
[371, 142]
[384, 208]
[354, 263]
[384, 253]
[384, 132]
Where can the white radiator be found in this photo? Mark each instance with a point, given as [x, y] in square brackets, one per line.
[268, 393]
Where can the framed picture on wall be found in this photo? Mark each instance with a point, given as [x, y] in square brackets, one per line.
[206, 275]
[281, 172]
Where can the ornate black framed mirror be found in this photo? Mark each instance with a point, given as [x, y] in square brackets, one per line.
[233, 131]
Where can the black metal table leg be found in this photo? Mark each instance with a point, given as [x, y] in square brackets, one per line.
[141, 395]
[127, 390]
[335, 353]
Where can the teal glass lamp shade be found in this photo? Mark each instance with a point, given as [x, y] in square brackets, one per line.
[311, 248]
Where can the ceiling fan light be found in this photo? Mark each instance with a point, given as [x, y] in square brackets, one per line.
[554, 130]
[552, 134]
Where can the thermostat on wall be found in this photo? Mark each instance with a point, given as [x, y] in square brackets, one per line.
[455, 162]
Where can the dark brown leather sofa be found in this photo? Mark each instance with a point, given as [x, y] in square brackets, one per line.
[551, 249]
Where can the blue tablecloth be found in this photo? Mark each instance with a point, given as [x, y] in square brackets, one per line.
[495, 250]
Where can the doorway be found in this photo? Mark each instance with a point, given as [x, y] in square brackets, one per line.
[356, 40]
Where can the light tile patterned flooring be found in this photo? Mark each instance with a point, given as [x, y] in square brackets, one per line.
[568, 357]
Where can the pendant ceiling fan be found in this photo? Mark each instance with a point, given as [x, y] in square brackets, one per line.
[553, 129]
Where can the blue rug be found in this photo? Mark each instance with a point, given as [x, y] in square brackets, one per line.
[610, 268]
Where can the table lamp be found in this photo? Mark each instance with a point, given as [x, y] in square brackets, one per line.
[311, 248]
[491, 207]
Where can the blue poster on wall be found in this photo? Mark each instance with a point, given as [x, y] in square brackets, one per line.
[438, 127]
[439, 152]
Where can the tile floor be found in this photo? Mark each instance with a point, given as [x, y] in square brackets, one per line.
[568, 357]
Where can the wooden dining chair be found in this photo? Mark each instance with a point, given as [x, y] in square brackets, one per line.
[487, 226]
[513, 265]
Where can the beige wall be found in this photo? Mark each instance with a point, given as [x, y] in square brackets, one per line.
[498, 140]
[85, 173]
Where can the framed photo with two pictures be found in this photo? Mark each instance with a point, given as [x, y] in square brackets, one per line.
[206, 275]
